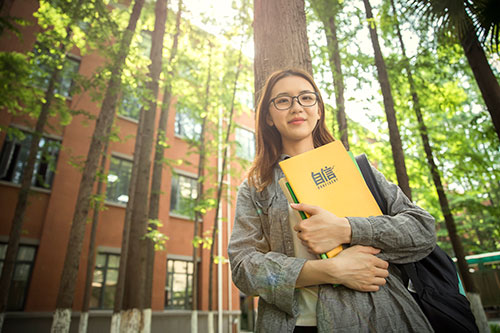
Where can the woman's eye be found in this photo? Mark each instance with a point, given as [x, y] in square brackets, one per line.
[283, 100]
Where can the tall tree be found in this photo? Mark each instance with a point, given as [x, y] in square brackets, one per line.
[116, 318]
[135, 317]
[198, 215]
[222, 172]
[383, 77]
[22, 200]
[280, 38]
[84, 314]
[466, 20]
[327, 12]
[161, 134]
[443, 199]
[62, 315]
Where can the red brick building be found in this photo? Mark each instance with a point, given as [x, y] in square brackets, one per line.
[33, 291]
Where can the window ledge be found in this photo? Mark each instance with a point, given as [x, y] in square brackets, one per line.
[132, 120]
[115, 204]
[32, 188]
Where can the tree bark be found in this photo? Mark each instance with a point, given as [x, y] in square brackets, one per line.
[456, 242]
[22, 198]
[221, 182]
[486, 80]
[198, 217]
[27, 176]
[103, 126]
[135, 282]
[338, 80]
[383, 77]
[91, 253]
[280, 38]
[122, 270]
[154, 201]
[327, 12]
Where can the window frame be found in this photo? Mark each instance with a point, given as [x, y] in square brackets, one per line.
[176, 174]
[17, 263]
[42, 77]
[169, 279]
[183, 117]
[122, 158]
[11, 171]
[105, 270]
[239, 145]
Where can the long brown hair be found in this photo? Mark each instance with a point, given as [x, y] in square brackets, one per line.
[269, 145]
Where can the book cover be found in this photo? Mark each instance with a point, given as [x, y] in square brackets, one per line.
[290, 196]
[328, 177]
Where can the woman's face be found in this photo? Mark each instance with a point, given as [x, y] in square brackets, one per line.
[297, 123]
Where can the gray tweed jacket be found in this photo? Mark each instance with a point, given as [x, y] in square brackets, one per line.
[263, 263]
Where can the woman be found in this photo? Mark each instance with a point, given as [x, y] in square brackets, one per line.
[274, 257]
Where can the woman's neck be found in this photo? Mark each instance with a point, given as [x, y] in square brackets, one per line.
[297, 147]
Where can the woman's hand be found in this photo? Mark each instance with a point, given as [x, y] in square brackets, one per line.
[356, 267]
[323, 230]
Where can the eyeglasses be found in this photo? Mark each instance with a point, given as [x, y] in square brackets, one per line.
[285, 102]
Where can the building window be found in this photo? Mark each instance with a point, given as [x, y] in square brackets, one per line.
[119, 174]
[245, 143]
[183, 195]
[14, 156]
[186, 125]
[44, 63]
[130, 104]
[105, 280]
[22, 275]
[179, 285]
[145, 43]
[245, 97]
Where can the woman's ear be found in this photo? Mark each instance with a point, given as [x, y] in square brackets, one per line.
[269, 120]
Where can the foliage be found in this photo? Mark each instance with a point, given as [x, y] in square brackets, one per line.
[461, 132]
[483, 16]
[158, 238]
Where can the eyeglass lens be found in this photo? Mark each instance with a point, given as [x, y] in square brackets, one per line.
[285, 102]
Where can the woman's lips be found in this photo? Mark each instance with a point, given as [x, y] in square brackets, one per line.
[296, 121]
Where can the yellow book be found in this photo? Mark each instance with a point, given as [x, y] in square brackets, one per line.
[328, 177]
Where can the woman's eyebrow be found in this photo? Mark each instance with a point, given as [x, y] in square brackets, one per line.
[287, 94]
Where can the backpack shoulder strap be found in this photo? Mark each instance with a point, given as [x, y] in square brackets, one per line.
[369, 176]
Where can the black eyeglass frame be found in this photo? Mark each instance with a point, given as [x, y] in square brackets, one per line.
[272, 101]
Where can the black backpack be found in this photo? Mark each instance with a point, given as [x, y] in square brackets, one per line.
[434, 278]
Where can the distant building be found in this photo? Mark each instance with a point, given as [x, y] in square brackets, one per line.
[33, 292]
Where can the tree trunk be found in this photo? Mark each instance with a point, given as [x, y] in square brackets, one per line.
[22, 199]
[83, 325]
[24, 191]
[221, 182]
[338, 80]
[135, 282]
[198, 217]
[122, 270]
[327, 12]
[154, 201]
[383, 77]
[436, 177]
[486, 80]
[62, 316]
[280, 38]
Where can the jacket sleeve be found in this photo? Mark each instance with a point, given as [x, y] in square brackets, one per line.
[256, 270]
[405, 234]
